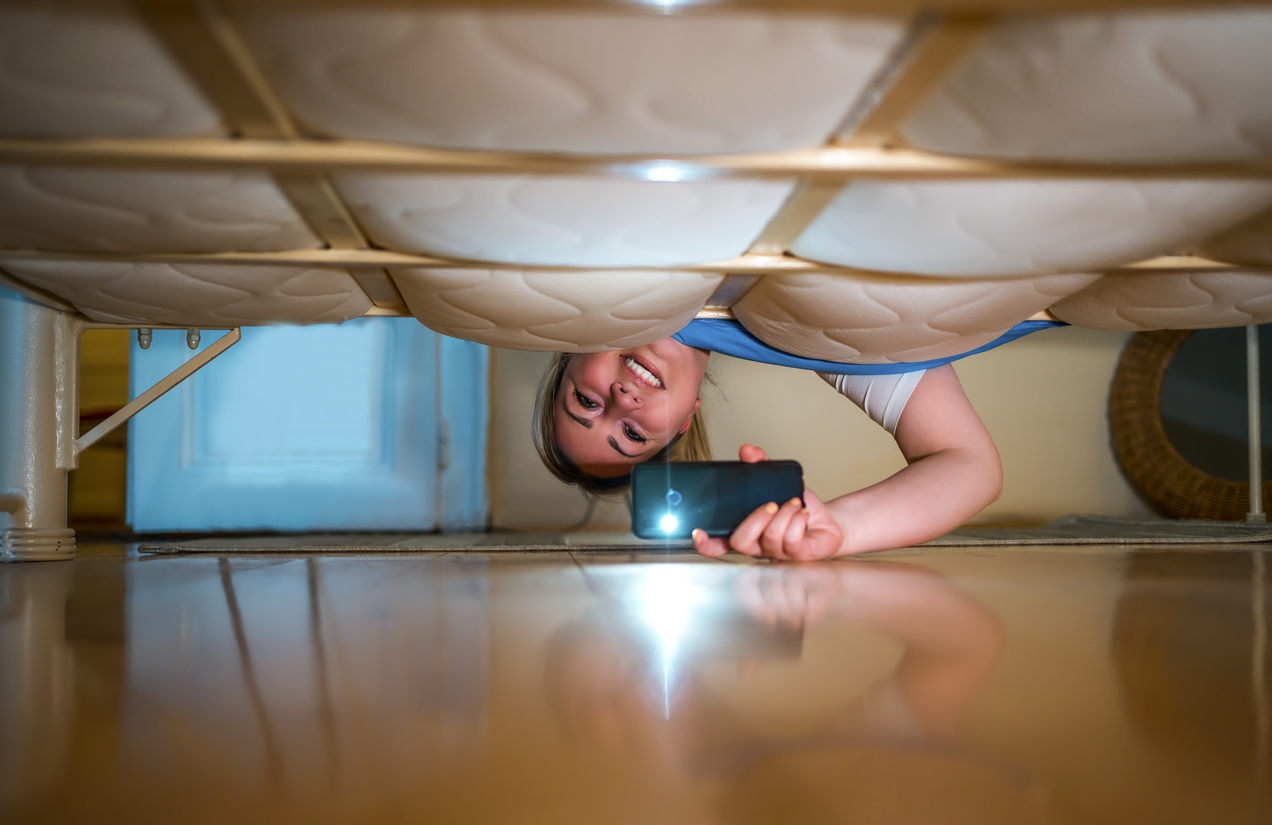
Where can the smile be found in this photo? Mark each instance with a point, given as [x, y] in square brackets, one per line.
[642, 373]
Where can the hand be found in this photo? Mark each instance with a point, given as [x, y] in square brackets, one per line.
[789, 532]
[791, 595]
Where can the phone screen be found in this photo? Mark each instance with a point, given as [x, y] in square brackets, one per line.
[670, 500]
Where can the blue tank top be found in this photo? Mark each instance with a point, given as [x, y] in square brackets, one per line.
[731, 338]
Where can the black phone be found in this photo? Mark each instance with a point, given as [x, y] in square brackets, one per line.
[670, 500]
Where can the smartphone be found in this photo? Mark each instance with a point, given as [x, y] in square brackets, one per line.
[670, 500]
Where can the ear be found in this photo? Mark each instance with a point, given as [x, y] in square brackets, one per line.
[696, 404]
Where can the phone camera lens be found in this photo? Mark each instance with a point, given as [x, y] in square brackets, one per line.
[674, 497]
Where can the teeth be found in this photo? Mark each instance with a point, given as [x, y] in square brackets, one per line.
[635, 367]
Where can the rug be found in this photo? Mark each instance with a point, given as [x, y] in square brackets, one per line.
[1070, 530]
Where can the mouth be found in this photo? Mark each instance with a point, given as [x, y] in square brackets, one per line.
[643, 372]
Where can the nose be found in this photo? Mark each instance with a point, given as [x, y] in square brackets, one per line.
[625, 396]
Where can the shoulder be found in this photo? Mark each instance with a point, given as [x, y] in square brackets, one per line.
[882, 397]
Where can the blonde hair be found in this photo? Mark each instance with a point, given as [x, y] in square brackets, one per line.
[691, 445]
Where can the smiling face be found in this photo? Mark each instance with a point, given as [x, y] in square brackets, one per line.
[616, 409]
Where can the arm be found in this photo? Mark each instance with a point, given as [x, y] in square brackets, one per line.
[951, 641]
[953, 471]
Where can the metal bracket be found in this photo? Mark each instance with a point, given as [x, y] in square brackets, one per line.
[1253, 401]
[181, 373]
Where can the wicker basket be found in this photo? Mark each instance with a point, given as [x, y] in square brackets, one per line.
[1150, 460]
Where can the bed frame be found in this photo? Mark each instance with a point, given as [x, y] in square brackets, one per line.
[855, 181]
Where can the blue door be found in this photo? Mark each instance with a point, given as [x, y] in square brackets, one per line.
[374, 424]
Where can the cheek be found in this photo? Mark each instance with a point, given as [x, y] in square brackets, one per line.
[662, 421]
[588, 369]
[682, 409]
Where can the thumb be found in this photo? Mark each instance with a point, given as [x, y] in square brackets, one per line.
[752, 454]
[707, 546]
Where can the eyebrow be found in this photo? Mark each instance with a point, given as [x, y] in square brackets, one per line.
[614, 444]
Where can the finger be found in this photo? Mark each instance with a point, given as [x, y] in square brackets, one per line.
[775, 596]
[795, 531]
[745, 538]
[774, 536]
[819, 605]
[769, 610]
[749, 590]
[707, 546]
[752, 454]
[797, 599]
[824, 535]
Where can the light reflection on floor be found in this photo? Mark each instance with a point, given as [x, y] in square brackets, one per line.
[996, 686]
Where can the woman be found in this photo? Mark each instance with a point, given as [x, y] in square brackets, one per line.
[598, 414]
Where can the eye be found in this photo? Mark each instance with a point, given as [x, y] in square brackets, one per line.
[633, 435]
[585, 402]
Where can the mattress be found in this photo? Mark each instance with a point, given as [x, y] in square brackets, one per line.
[878, 188]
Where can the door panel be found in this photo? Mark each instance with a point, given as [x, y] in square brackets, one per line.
[463, 368]
[311, 428]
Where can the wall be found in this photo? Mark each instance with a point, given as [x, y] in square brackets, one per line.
[97, 488]
[1044, 398]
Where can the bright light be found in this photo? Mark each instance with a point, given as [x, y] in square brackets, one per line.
[672, 6]
[668, 4]
[669, 523]
[667, 597]
[665, 173]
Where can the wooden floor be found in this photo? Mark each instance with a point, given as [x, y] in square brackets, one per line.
[996, 685]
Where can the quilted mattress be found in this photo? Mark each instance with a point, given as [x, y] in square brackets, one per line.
[587, 176]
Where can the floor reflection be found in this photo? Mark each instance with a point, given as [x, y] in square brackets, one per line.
[306, 675]
[36, 680]
[636, 660]
[1190, 648]
[1014, 687]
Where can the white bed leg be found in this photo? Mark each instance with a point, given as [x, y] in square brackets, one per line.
[39, 354]
[1253, 399]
